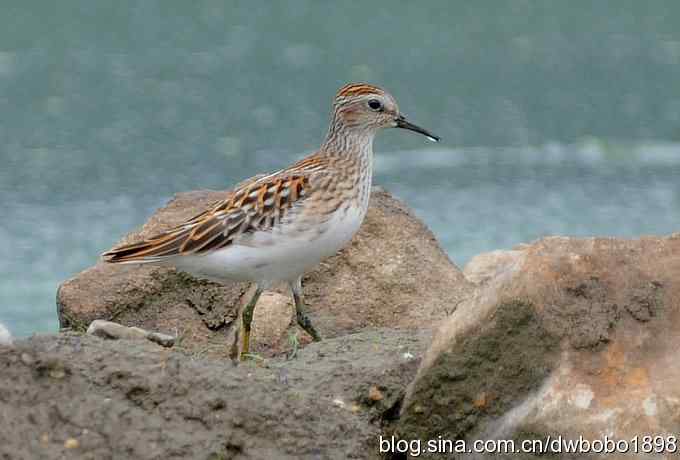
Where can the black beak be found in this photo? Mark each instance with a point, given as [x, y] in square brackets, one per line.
[402, 123]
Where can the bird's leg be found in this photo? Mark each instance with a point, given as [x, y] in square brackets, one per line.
[247, 318]
[295, 343]
[300, 315]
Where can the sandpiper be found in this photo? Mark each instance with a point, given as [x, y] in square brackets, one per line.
[274, 227]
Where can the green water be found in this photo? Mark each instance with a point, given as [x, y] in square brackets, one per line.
[557, 117]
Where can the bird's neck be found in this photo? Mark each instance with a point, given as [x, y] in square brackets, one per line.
[352, 148]
[348, 142]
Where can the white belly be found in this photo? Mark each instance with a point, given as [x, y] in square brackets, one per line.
[283, 256]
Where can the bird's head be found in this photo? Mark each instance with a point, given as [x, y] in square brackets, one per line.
[368, 108]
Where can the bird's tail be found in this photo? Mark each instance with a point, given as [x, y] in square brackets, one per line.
[156, 249]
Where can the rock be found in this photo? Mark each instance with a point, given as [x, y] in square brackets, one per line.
[575, 337]
[271, 320]
[5, 336]
[200, 313]
[164, 340]
[392, 274]
[81, 397]
[378, 280]
[488, 265]
[111, 330]
[71, 443]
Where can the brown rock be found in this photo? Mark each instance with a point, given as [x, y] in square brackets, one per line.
[272, 319]
[392, 274]
[488, 265]
[576, 337]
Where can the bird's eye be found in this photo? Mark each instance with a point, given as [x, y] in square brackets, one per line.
[375, 104]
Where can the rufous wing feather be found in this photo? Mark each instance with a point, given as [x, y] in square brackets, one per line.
[257, 204]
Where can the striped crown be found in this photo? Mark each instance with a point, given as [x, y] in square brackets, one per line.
[358, 89]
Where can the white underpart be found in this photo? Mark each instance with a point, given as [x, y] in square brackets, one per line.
[5, 336]
[280, 255]
[292, 247]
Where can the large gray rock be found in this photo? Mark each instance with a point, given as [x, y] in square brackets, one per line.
[571, 337]
[392, 274]
[83, 397]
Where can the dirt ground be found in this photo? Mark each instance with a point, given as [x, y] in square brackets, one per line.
[82, 397]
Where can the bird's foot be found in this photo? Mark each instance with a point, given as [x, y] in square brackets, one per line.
[304, 322]
[251, 357]
[294, 343]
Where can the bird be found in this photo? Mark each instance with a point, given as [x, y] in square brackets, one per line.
[275, 227]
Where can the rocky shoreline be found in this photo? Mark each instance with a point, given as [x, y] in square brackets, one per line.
[563, 336]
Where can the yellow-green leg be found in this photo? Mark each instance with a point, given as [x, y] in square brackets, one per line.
[300, 314]
[294, 343]
[247, 318]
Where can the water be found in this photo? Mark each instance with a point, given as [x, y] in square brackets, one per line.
[557, 117]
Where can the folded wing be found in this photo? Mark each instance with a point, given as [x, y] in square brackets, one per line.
[256, 205]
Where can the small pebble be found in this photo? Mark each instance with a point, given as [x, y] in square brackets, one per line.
[163, 340]
[374, 394]
[71, 443]
[58, 373]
